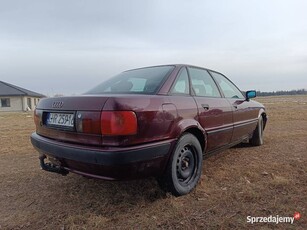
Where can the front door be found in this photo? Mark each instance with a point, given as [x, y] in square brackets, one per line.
[214, 111]
[244, 118]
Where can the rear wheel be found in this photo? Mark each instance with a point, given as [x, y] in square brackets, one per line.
[257, 138]
[184, 168]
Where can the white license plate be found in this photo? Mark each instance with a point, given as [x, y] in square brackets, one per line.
[60, 119]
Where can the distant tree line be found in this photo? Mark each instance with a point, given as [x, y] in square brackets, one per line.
[283, 92]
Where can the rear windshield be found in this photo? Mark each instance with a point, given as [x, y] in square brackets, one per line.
[142, 81]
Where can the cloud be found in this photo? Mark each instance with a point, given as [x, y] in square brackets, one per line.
[49, 44]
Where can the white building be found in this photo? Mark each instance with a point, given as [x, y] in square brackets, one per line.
[14, 98]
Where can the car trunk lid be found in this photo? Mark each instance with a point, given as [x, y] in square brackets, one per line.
[71, 119]
[73, 103]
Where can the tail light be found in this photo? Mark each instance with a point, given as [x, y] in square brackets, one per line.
[118, 123]
[88, 122]
[38, 117]
[109, 123]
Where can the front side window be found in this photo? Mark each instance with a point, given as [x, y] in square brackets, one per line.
[181, 85]
[141, 81]
[228, 88]
[203, 84]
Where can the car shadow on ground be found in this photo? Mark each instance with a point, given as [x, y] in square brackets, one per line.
[147, 189]
[242, 145]
[115, 193]
[74, 194]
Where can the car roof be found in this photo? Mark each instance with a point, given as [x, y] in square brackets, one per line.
[178, 66]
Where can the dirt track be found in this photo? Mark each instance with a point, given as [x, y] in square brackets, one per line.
[239, 182]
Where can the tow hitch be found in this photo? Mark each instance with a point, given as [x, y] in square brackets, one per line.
[51, 167]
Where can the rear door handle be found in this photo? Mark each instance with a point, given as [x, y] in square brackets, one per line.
[235, 106]
[205, 106]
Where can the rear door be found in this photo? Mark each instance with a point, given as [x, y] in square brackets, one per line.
[244, 115]
[214, 111]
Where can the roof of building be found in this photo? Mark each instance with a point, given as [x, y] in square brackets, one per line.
[7, 89]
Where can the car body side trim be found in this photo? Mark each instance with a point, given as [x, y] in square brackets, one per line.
[236, 125]
[248, 122]
[220, 129]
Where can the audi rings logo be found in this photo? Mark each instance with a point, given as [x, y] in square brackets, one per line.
[57, 104]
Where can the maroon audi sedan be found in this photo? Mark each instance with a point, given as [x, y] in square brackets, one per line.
[150, 122]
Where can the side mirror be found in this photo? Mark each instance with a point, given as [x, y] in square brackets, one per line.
[250, 94]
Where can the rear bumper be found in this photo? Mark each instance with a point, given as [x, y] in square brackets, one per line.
[107, 163]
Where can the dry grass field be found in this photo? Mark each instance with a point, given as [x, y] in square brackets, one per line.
[239, 182]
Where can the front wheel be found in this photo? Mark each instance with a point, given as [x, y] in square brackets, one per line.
[257, 138]
[184, 168]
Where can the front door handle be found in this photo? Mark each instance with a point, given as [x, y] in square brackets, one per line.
[205, 106]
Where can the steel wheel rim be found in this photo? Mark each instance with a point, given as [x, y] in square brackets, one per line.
[186, 165]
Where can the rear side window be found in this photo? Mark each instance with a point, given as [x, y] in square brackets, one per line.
[228, 88]
[181, 85]
[142, 81]
[203, 84]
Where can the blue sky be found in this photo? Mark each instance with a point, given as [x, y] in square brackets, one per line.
[67, 47]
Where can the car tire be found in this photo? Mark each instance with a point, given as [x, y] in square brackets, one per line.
[257, 138]
[184, 167]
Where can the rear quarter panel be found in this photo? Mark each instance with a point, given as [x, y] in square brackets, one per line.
[159, 117]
